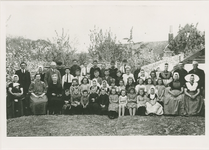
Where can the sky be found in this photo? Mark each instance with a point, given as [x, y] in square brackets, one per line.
[149, 22]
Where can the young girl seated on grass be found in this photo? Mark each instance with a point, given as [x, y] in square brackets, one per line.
[121, 86]
[152, 106]
[74, 86]
[93, 101]
[122, 103]
[103, 102]
[76, 101]
[141, 103]
[140, 85]
[160, 91]
[132, 102]
[113, 104]
[67, 106]
[85, 85]
[85, 102]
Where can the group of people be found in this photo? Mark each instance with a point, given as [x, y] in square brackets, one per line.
[106, 91]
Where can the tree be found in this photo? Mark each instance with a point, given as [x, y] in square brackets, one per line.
[104, 46]
[188, 40]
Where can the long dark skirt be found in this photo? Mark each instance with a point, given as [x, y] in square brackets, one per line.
[94, 108]
[141, 111]
[112, 114]
[55, 105]
[76, 109]
[16, 108]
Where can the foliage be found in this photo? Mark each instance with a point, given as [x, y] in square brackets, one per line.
[188, 40]
[104, 46]
[94, 125]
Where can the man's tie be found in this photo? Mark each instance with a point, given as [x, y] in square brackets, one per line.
[67, 78]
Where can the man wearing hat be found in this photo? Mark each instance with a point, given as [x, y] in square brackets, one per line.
[74, 67]
[113, 70]
[182, 73]
[51, 71]
[201, 75]
[25, 81]
[60, 68]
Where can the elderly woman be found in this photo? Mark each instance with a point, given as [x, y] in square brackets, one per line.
[38, 99]
[15, 97]
[193, 100]
[174, 97]
[55, 96]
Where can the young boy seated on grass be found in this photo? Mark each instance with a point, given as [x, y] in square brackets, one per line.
[85, 102]
[76, 101]
[67, 103]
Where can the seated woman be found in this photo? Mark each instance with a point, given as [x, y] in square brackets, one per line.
[193, 100]
[105, 86]
[153, 77]
[174, 97]
[93, 106]
[152, 106]
[120, 87]
[113, 104]
[141, 103]
[148, 85]
[15, 97]
[55, 96]
[103, 100]
[38, 98]
[41, 72]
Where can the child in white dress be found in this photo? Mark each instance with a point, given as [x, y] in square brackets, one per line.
[122, 103]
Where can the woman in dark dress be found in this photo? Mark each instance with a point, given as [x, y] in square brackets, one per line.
[93, 106]
[193, 100]
[54, 93]
[174, 97]
[38, 98]
[15, 97]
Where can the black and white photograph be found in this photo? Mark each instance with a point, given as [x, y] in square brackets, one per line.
[104, 70]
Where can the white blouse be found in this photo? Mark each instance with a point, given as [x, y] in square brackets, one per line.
[192, 87]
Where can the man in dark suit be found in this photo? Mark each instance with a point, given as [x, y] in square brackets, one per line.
[74, 67]
[113, 70]
[48, 76]
[60, 68]
[25, 81]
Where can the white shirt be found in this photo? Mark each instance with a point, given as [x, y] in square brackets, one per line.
[64, 79]
[85, 70]
[125, 77]
[192, 87]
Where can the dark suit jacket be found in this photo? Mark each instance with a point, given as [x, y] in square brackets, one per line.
[48, 76]
[24, 80]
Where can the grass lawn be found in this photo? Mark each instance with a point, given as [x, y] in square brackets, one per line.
[92, 125]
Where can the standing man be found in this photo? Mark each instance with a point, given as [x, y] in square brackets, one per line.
[103, 68]
[51, 71]
[201, 75]
[137, 71]
[95, 67]
[113, 70]
[60, 68]
[25, 81]
[85, 69]
[182, 73]
[166, 76]
[74, 67]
